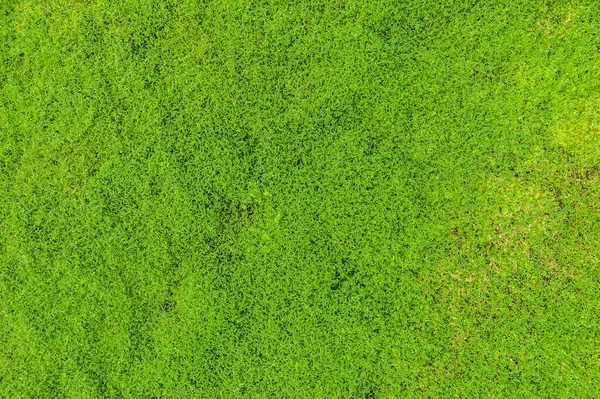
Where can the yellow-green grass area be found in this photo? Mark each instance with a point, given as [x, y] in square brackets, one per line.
[307, 199]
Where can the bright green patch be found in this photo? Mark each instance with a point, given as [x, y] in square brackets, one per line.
[316, 199]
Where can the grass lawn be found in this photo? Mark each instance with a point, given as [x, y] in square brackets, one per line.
[307, 199]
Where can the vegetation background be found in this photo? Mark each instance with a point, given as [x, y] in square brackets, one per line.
[310, 199]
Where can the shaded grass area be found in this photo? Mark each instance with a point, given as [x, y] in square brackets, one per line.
[328, 199]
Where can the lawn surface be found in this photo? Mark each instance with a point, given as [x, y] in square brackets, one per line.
[309, 199]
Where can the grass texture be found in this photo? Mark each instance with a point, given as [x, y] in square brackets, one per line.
[308, 199]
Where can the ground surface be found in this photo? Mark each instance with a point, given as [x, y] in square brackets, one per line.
[331, 199]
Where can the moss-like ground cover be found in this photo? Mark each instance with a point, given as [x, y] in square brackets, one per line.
[309, 199]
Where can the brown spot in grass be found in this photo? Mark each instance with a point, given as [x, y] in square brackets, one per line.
[545, 27]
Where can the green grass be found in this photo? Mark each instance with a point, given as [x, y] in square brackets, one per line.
[311, 199]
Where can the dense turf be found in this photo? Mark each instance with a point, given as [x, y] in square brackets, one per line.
[330, 199]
